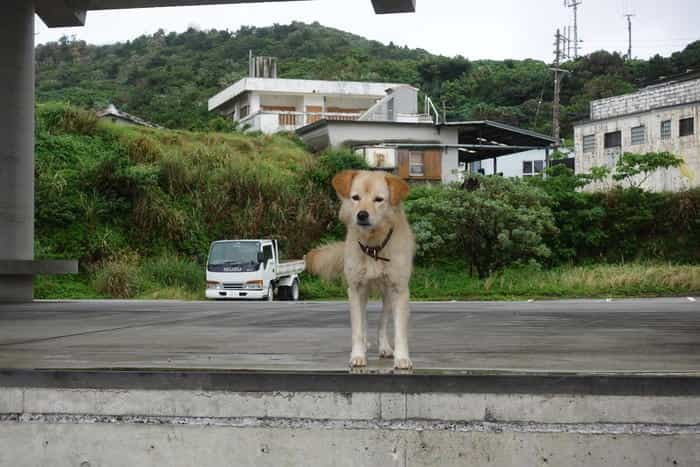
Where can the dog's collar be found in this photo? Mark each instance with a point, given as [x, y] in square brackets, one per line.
[373, 251]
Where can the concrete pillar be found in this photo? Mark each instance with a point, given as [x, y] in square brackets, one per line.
[16, 143]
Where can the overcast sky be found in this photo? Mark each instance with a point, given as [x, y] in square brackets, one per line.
[476, 29]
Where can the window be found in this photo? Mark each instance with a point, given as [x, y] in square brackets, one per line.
[267, 253]
[666, 129]
[637, 134]
[416, 164]
[589, 143]
[243, 112]
[686, 126]
[613, 139]
[531, 168]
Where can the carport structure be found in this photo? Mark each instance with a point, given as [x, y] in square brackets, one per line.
[485, 139]
[17, 264]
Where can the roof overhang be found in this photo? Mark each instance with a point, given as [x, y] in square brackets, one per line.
[299, 87]
[477, 140]
[65, 13]
[485, 139]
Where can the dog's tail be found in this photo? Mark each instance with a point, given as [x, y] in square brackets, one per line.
[326, 261]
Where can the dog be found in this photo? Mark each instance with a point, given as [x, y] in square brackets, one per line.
[377, 255]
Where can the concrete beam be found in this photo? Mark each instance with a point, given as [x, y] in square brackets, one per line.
[32, 267]
[62, 13]
[394, 6]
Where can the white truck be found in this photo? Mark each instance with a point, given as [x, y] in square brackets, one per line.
[251, 269]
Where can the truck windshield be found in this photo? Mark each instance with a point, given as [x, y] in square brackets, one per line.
[234, 253]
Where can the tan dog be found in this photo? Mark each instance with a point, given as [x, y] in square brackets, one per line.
[377, 255]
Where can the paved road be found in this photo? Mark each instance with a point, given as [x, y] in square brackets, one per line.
[580, 336]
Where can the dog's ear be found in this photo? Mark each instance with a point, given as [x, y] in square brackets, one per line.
[398, 189]
[343, 181]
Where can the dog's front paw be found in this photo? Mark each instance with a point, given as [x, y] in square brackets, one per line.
[358, 360]
[403, 363]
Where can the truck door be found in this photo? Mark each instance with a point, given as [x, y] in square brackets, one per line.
[269, 266]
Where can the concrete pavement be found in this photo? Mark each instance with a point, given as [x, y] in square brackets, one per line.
[658, 336]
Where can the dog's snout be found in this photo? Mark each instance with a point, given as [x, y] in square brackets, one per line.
[362, 216]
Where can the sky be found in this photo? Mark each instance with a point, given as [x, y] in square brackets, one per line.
[476, 29]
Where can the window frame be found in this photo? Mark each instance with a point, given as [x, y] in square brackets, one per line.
[531, 172]
[666, 135]
[267, 256]
[690, 130]
[535, 163]
[588, 148]
[634, 138]
[609, 134]
[412, 164]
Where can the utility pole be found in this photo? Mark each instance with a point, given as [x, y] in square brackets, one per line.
[629, 36]
[557, 87]
[574, 4]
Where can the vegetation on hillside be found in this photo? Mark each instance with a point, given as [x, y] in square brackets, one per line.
[167, 78]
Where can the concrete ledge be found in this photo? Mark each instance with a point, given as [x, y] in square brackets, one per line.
[389, 407]
[11, 267]
[43, 444]
[316, 381]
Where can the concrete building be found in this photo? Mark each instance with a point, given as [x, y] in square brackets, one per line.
[425, 151]
[119, 117]
[658, 118]
[521, 164]
[273, 104]
[17, 263]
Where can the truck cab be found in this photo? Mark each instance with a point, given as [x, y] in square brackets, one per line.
[251, 269]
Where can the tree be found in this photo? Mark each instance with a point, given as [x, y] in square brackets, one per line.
[632, 165]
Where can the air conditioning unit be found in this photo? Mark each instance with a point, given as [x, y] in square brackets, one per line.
[380, 157]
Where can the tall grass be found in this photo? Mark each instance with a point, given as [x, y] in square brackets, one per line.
[451, 282]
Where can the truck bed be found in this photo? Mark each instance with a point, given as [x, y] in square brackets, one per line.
[290, 266]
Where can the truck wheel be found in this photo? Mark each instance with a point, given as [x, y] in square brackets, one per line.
[289, 292]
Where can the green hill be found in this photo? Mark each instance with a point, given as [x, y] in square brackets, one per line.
[167, 78]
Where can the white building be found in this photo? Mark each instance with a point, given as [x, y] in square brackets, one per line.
[521, 164]
[658, 118]
[271, 105]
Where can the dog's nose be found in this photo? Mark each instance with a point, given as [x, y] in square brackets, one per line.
[362, 216]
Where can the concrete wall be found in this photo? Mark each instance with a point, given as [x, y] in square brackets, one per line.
[299, 87]
[90, 427]
[646, 99]
[450, 166]
[341, 133]
[688, 147]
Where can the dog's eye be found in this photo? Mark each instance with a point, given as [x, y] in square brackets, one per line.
[356, 197]
[378, 199]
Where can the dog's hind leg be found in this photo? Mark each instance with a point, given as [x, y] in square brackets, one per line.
[357, 296]
[385, 350]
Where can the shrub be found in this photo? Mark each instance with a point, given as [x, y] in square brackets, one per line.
[119, 276]
[621, 224]
[62, 118]
[501, 222]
